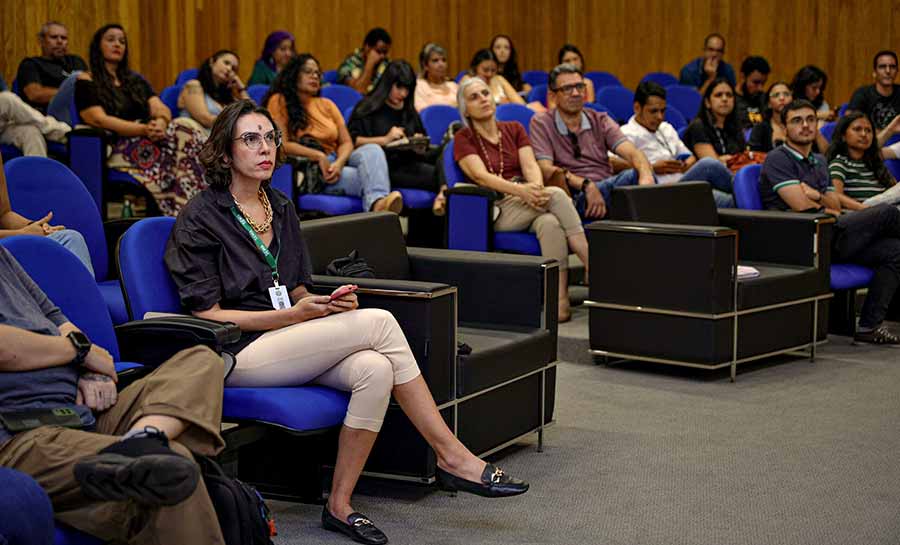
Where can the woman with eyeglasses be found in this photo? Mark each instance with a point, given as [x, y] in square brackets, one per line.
[314, 128]
[498, 155]
[771, 132]
[237, 255]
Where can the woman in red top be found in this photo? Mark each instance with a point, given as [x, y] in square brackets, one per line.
[498, 155]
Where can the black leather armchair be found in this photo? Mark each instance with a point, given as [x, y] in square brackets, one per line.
[664, 285]
[502, 306]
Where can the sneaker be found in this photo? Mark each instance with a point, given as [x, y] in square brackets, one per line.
[879, 335]
[141, 468]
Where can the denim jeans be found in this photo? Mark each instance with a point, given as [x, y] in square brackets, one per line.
[60, 104]
[73, 241]
[712, 171]
[365, 175]
[871, 237]
[624, 178]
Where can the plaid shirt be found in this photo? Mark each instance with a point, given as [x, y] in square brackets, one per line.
[353, 67]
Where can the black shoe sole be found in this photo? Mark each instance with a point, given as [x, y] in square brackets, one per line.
[153, 480]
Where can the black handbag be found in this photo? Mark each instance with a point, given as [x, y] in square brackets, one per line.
[243, 515]
[352, 266]
[310, 177]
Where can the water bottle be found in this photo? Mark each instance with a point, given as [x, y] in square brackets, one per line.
[127, 211]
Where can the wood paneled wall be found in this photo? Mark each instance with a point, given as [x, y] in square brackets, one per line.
[625, 37]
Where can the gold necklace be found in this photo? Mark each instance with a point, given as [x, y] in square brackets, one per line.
[264, 200]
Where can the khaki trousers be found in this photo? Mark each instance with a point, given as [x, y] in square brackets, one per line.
[552, 226]
[188, 387]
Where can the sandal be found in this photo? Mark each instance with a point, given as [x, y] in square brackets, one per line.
[439, 206]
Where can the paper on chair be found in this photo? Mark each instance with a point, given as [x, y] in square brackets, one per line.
[745, 271]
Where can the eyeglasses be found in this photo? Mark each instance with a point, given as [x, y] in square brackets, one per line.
[811, 120]
[569, 89]
[313, 72]
[576, 148]
[253, 140]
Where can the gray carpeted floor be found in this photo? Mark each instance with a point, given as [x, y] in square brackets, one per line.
[793, 453]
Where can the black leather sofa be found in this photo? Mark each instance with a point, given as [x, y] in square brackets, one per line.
[502, 306]
[664, 286]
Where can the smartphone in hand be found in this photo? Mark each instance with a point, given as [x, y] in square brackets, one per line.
[343, 290]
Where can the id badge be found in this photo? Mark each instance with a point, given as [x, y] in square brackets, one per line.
[280, 298]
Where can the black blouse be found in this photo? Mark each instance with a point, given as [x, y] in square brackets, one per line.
[724, 141]
[212, 258]
[379, 122]
[124, 105]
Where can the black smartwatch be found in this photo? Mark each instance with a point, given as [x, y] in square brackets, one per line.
[82, 346]
[585, 184]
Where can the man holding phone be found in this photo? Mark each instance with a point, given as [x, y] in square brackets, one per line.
[672, 161]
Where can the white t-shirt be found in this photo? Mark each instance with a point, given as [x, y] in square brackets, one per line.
[661, 145]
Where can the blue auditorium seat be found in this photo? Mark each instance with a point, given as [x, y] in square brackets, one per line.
[343, 96]
[603, 79]
[662, 78]
[516, 112]
[169, 97]
[619, 101]
[538, 93]
[257, 92]
[675, 118]
[535, 77]
[685, 98]
[38, 185]
[828, 129]
[436, 119]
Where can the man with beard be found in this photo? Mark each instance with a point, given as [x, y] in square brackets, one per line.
[795, 178]
[881, 101]
[751, 98]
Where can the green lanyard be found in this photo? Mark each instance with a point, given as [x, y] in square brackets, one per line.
[263, 249]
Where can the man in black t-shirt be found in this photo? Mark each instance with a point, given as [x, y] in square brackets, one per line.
[880, 101]
[39, 78]
[751, 100]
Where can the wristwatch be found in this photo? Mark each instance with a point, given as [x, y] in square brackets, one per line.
[585, 184]
[82, 346]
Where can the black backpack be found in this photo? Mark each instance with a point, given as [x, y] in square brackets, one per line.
[244, 517]
[352, 266]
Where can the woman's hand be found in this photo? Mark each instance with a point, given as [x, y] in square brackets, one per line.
[42, 226]
[534, 196]
[311, 307]
[396, 133]
[156, 129]
[344, 303]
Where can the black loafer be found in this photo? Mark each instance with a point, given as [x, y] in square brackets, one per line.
[360, 528]
[495, 483]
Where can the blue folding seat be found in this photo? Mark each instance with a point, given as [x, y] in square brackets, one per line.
[535, 77]
[186, 75]
[538, 93]
[828, 129]
[675, 117]
[619, 100]
[343, 96]
[685, 98]
[436, 119]
[169, 97]
[38, 185]
[663, 78]
[603, 79]
[516, 112]
[257, 92]
[330, 77]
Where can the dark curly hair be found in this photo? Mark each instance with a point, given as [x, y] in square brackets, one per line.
[286, 84]
[808, 75]
[510, 68]
[131, 84]
[872, 155]
[221, 93]
[221, 141]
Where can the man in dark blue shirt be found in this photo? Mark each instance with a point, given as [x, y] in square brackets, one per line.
[795, 178]
[105, 457]
[701, 71]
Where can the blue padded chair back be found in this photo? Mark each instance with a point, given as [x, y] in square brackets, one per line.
[603, 79]
[169, 97]
[460, 75]
[516, 112]
[146, 280]
[827, 129]
[257, 92]
[38, 185]
[893, 166]
[675, 118]
[746, 188]
[348, 111]
[535, 77]
[344, 97]
[68, 284]
[452, 173]
[843, 109]
[619, 100]
[681, 132]
[330, 77]
[597, 107]
[186, 75]
[538, 93]
[436, 119]
[663, 78]
[685, 98]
